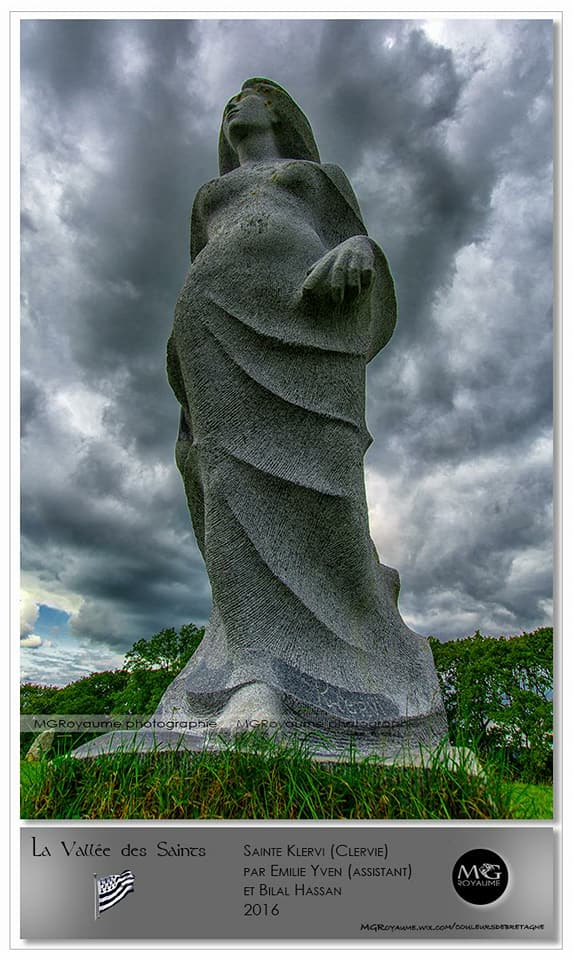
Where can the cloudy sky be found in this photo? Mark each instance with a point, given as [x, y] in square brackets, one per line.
[445, 131]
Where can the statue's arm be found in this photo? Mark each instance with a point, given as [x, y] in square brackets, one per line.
[355, 270]
[344, 273]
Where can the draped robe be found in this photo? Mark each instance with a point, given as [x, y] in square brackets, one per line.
[271, 384]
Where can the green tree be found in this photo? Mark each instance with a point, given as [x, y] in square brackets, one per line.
[498, 694]
[169, 649]
[142, 692]
[94, 694]
[37, 698]
[152, 665]
[89, 695]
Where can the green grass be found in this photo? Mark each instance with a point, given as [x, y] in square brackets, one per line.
[264, 781]
[531, 801]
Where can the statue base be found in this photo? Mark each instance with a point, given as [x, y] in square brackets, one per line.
[256, 708]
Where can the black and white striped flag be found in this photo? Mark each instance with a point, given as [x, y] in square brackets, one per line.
[110, 890]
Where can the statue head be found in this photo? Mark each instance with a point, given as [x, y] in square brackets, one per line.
[292, 131]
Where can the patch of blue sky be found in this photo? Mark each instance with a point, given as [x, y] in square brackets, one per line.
[52, 623]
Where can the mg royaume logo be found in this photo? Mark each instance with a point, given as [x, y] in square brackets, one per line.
[480, 877]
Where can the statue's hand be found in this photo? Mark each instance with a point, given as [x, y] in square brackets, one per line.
[343, 273]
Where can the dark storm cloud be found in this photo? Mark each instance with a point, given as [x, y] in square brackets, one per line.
[387, 72]
[134, 198]
[448, 145]
[449, 207]
[32, 400]
[394, 103]
[98, 518]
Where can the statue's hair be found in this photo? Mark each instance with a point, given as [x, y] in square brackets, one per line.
[292, 130]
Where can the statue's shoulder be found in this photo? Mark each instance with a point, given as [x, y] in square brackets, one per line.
[206, 190]
[198, 234]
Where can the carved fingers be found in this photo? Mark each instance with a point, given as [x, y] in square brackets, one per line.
[343, 273]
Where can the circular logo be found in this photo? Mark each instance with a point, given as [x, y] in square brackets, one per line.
[480, 876]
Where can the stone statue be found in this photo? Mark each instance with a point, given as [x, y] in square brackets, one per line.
[285, 302]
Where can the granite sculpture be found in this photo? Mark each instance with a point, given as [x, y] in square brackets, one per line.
[285, 302]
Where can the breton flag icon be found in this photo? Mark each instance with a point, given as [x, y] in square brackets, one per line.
[110, 890]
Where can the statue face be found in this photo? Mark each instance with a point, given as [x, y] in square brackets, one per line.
[246, 112]
[265, 107]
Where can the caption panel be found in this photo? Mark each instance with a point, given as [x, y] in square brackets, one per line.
[354, 883]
